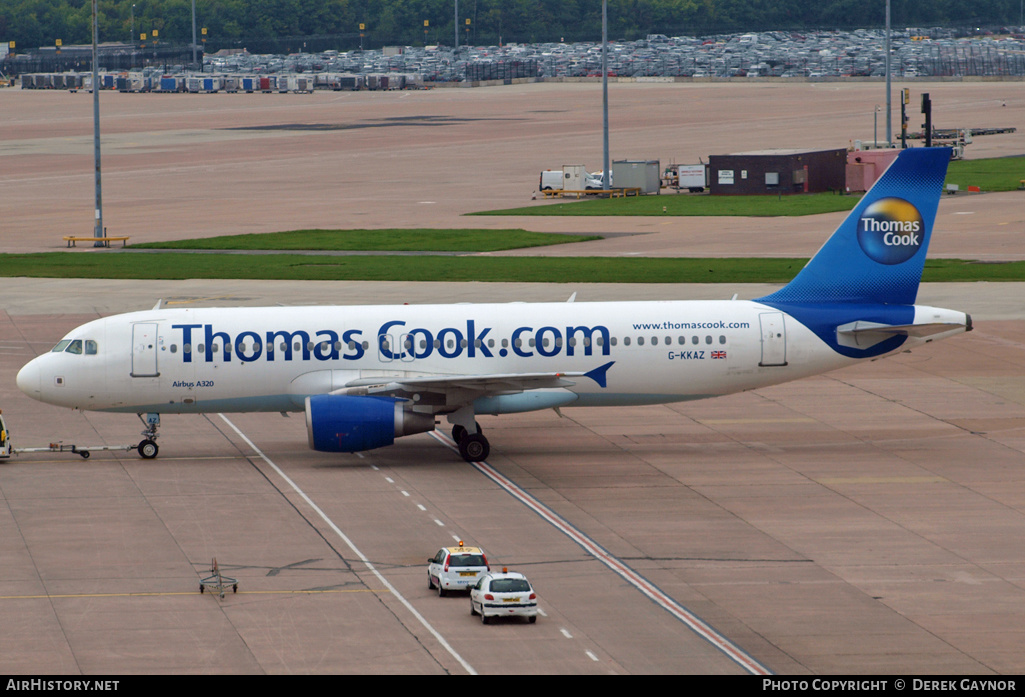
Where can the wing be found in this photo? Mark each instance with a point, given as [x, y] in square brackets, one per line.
[454, 391]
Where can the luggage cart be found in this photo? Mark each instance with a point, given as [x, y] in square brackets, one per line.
[217, 581]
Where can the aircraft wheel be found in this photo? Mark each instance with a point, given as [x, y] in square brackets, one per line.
[148, 449]
[474, 448]
[459, 432]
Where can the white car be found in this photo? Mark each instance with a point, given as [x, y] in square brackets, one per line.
[456, 568]
[505, 594]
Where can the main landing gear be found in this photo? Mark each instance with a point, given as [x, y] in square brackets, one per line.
[473, 447]
[148, 447]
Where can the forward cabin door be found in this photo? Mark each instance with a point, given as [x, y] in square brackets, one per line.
[144, 350]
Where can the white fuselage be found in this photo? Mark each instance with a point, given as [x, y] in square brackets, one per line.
[174, 360]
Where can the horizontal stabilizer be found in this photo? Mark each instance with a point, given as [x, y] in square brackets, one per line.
[861, 334]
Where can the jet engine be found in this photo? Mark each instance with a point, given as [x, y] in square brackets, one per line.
[347, 424]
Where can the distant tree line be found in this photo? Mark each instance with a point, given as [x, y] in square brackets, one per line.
[315, 25]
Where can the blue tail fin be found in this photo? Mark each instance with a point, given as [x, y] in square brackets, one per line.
[878, 252]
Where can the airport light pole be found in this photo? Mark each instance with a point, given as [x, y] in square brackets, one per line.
[98, 230]
[889, 107]
[606, 175]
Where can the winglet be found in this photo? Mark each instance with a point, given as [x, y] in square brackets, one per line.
[598, 374]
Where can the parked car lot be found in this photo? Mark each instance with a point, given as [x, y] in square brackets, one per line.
[915, 52]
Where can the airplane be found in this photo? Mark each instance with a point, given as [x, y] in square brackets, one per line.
[365, 375]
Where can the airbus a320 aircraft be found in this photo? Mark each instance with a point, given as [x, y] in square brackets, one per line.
[366, 375]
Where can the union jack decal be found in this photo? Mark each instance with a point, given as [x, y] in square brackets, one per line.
[718, 354]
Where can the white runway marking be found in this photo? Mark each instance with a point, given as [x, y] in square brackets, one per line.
[645, 586]
[355, 550]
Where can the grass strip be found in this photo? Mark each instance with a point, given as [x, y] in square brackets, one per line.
[693, 205]
[392, 240]
[991, 174]
[114, 264]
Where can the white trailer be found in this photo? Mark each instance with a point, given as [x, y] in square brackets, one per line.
[691, 177]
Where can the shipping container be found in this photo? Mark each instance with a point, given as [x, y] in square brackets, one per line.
[632, 174]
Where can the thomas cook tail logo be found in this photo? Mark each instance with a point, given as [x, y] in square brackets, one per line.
[890, 231]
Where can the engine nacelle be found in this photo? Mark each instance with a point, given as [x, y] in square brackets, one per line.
[346, 424]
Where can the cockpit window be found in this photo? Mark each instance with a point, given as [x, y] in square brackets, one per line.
[76, 346]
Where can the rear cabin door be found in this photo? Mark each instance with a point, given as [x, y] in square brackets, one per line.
[774, 339]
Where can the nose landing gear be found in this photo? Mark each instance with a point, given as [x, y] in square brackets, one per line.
[148, 447]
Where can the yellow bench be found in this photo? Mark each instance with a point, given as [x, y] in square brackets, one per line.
[104, 241]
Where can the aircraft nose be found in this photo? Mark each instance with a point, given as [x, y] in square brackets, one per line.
[29, 379]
